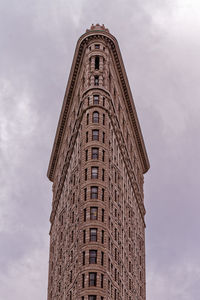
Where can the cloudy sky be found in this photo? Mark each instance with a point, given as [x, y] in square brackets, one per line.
[160, 45]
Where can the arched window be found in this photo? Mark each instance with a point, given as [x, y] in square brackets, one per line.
[95, 117]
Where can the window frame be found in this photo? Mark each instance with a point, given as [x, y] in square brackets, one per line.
[94, 194]
[94, 172]
[95, 134]
[93, 154]
[93, 281]
[92, 256]
[93, 234]
[94, 214]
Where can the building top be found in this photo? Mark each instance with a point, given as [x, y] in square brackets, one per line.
[97, 27]
[96, 32]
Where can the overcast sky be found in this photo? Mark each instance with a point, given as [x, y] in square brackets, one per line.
[160, 45]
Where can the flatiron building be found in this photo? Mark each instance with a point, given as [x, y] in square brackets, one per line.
[97, 165]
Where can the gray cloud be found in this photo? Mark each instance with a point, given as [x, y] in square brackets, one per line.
[160, 47]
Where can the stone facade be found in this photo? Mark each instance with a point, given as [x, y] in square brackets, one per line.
[97, 235]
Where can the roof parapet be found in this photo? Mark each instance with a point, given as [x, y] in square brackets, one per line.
[97, 27]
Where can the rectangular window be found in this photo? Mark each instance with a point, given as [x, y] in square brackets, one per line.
[85, 174]
[94, 172]
[92, 297]
[96, 99]
[103, 137]
[103, 174]
[102, 258]
[83, 258]
[102, 236]
[97, 46]
[85, 194]
[93, 256]
[95, 153]
[83, 280]
[102, 280]
[104, 119]
[93, 234]
[103, 101]
[102, 216]
[92, 279]
[84, 236]
[96, 62]
[87, 122]
[95, 135]
[86, 139]
[70, 276]
[94, 192]
[103, 155]
[86, 155]
[93, 213]
[95, 117]
[84, 214]
[102, 195]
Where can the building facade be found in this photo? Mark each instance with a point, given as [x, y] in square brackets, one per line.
[97, 234]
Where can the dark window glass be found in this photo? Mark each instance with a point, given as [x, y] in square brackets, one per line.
[86, 139]
[95, 153]
[102, 236]
[93, 213]
[102, 195]
[102, 280]
[85, 174]
[85, 194]
[103, 101]
[84, 236]
[92, 279]
[86, 155]
[93, 256]
[83, 258]
[87, 119]
[95, 117]
[102, 216]
[70, 276]
[102, 258]
[104, 119]
[96, 80]
[94, 192]
[84, 214]
[103, 137]
[97, 46]
[94, 172]
[95, 135]
[103, 155]
[83, 280]
[93, 234]
[96, 99]
[103, 174]
[92, 297]
[96, 62]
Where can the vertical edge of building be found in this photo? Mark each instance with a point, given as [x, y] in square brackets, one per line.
[97, 235]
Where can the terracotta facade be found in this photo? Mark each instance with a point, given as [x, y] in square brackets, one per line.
[97, 235]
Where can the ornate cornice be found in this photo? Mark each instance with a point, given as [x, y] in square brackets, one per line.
[76, 65]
